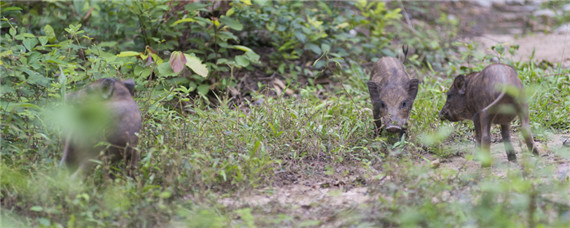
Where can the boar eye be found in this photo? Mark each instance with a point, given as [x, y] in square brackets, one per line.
[404, 104]
[381, 104]
[448, 96]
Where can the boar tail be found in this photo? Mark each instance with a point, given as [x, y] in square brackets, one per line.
[495, 102]
[405, 51]
[65, 150]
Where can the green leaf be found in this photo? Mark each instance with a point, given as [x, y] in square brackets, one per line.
[36, 208]
[252, 56]
[300, 36]
[43, 40]
[12, 32]
[227, 35]
[230, 12]
[234, 24]
[191, 86]
[12, 8]
[44, 222]
[165, 195]
[314, 48]
[177, 61]
[242, 48]
[195, 6]
[183, 21]
[165, 70]
[142, 72]
[196, 65]
[6, 53]
[48, 30]
[242, 61]
[128, 54]
[325, 47]
[30, 43]
[203, 89]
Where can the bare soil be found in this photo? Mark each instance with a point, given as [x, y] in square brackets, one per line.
[553, 48]
[326, 201]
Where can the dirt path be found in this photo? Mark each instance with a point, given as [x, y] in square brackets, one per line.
[324, 202]
[554, 48]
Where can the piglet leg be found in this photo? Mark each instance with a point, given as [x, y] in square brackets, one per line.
[505, 133]
[66, 150]
[525, 128]
[485, 129]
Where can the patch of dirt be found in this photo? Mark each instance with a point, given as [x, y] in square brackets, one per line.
[511, 23]
[549, 154]
[329, 201]
[554, 48]
[302, 196]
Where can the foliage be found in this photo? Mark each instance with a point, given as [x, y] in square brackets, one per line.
[185, 56]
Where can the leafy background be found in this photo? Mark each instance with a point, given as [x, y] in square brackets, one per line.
[238, 96]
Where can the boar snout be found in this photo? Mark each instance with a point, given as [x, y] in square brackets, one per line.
[394, 129]
[395, 125]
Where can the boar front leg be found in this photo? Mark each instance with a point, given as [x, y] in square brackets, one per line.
[377, 123]
[477, 124]
[505, 133]
[378, 127]
[132, 161]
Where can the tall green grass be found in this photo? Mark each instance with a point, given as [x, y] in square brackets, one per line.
[192, 158]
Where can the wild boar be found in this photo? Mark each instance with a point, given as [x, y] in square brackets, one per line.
[392, 93]
[489, 97]
[115, 122]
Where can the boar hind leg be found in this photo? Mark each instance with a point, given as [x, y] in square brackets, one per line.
[505, 133]
[485, 132]
[525, 129]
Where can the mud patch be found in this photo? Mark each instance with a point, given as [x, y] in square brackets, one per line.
[553, 48]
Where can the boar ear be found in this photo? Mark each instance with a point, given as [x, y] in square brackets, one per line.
[459, 83]
[413, 87]
[374, 90]
[130, 84]
[107, 88]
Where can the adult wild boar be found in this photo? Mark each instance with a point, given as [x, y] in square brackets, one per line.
[392, 93]
[489, 97]
[108, 114]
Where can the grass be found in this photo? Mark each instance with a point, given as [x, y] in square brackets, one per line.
[192, 160]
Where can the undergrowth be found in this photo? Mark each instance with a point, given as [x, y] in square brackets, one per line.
[199, 145]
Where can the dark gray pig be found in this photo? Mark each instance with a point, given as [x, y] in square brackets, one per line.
[483, 98]
[392, 93]
[121, 117]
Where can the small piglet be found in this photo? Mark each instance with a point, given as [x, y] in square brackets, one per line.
[114, 104]
[483, 98]
[392, 93]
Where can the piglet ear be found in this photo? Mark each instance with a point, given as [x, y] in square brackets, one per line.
[413, 88]
[107, 88]
[374, 90]
[130, 84]
[459, 83]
